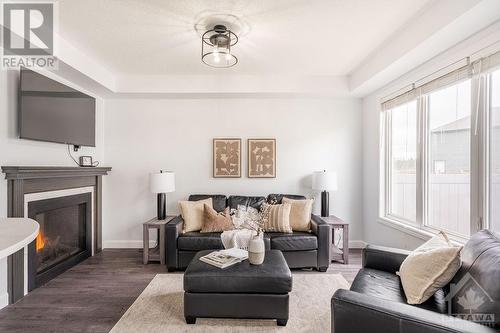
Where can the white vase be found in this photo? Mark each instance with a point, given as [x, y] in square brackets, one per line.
[256, 250]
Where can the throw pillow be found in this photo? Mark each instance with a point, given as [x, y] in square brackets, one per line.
[276, 218]
[192, 213]
[300, 213]
[216, 222]
[429, 268]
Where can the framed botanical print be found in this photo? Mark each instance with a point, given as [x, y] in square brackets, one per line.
[226, 158]
[261, 158]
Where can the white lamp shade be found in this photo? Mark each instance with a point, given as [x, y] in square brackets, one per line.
[324, 181]
[162, 182]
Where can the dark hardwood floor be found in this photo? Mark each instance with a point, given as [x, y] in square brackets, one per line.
[348, 271]
[92, 296]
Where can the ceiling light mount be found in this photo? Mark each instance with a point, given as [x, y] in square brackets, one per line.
[216, 45]
[220, 28]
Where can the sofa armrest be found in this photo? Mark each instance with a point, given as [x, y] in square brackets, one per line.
[323, 232]
[383, 258]
[173, 229]
[355, 312]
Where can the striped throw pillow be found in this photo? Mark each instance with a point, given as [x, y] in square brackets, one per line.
[276, 218]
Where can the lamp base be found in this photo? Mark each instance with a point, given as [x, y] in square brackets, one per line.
[162, 206]
[325, 201]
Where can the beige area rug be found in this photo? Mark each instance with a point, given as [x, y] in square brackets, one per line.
[160, 308]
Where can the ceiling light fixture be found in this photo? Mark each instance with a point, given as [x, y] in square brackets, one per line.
[216, 47]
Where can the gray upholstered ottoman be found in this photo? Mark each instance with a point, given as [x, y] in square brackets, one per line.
[239, 291]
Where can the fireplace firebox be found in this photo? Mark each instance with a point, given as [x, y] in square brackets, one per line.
[65, 236]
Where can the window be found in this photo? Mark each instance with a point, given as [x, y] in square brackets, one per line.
[441, 152]
[449, 123]
[494, 218]
[439, 167]
[403, 154]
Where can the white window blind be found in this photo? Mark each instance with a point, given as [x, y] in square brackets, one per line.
[430, 84]
[445, 81]
[486, 64]
[405, 95]
[459, 71]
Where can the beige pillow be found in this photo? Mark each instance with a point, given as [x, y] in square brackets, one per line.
[216, 222]
[300, 213]
[192, 213]
[429, 268]
[276, 218]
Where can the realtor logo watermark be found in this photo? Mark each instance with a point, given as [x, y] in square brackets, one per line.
[468, 300]
[28, 34]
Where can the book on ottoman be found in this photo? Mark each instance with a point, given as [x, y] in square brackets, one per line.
[225, 258]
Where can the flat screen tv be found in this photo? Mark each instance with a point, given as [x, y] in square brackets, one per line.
[51, 111]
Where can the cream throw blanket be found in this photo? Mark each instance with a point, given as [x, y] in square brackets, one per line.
[238, 238]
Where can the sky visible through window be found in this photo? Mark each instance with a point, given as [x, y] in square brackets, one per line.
[404, 132]
[451, 104]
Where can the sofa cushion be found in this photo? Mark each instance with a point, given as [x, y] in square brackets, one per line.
[481, 242]
[479, 275]
[387, 286]
[235, 200]
[219, 201]
[297, 241]
[276, 198]
[197, 241]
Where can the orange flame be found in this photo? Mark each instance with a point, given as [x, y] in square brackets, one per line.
[40, 242]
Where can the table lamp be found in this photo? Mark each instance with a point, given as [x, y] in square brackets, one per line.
[162, 183]
[324, 181]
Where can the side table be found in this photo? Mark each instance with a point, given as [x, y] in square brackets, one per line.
[157, 253]
[336, 253]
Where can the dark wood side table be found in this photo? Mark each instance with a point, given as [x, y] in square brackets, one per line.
[335, 252]
[157, 253]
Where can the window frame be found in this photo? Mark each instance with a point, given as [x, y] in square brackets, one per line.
[487, 150]
[427, 167]
[479, 168]
[388, 170]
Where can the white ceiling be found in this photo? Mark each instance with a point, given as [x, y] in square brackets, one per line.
[301, 37]
[331, 48]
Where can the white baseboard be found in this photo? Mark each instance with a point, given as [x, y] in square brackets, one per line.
[125, 244]
[357, 244]
[4, 300]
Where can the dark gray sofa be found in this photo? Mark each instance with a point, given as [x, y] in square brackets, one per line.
[300, 249]
[376, 301]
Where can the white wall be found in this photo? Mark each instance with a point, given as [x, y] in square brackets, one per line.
[375, 232]
[145, 135]
[14, 151]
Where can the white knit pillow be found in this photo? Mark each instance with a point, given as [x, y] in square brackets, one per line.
[429, 268]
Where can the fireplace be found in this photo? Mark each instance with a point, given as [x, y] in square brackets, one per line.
[64, 239]
[72, 224]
